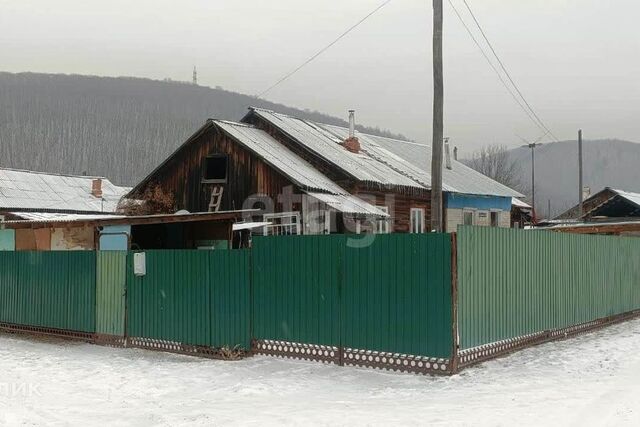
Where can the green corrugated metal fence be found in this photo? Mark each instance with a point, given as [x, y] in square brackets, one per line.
[296, 286]
[392, 295]
[397, 295]
[191, 297]
[111, 282]
[48, 289]
[514, 282]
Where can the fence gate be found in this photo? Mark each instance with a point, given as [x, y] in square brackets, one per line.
[111, 283]
[384, 304]
[190, 301]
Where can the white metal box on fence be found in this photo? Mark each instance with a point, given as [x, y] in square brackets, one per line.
[139, 264]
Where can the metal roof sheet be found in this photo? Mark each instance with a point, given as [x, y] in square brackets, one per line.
[519, 203]
[279, 157]
[21, 189]
[60, 217]
[632, 197]
[384, 161]
[318, 139]
[349, 204]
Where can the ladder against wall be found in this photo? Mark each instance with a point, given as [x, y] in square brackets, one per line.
[216, 198]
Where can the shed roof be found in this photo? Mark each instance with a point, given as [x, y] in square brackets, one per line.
[94, 220]
[47, 192]
[383, 161]
[349, 204]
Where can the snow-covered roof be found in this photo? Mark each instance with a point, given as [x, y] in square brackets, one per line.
[631, 197]
[279, 157]
[520, 204]
[39, 191]
[382, 161]
[60, 217]
[349, 204]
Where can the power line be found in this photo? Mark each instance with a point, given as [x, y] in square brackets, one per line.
[324, 49]
[506, 85]
[507, 72]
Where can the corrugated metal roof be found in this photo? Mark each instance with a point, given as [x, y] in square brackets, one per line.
[324, 143]
[20, 189]
[519, 203]
[297, 169]
[384, 161]
[632, 197]
[349, 204]
[60, 217]
[279, 157]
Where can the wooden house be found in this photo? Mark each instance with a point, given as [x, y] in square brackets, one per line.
[313, 178]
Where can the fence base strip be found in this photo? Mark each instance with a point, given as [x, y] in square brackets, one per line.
[486, 352]
[110, 340]
[353, 357]
[46, 332]
[330, 354]
[187, 349]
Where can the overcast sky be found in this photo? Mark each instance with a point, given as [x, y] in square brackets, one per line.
[576, 61]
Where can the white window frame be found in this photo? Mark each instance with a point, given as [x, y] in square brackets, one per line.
[417, 226]
[291, 227]
[497, 214]
[383, 225]
[470, 212]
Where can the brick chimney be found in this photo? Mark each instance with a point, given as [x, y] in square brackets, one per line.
[96, 188]
[352, 144]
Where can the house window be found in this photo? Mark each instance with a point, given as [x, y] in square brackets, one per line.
[417, 220]
[494, 219]
[285, 223]
[215, 169]
[383, 225]
[467, 217]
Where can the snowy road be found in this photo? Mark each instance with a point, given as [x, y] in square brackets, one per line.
[591, 380]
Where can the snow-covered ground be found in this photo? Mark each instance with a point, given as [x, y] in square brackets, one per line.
[591, 380]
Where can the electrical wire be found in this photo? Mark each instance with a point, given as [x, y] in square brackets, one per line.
[323, 50]
[507, 72]
[502, 80]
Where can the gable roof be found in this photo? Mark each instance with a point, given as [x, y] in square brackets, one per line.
[382, 161]
[276, 155]
[46, 192]
[281, 159]
[607, 202]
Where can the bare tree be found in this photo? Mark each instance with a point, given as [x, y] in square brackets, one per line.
[494, 161]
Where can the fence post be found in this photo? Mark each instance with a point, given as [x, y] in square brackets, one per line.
[454, 304]
[341, 274]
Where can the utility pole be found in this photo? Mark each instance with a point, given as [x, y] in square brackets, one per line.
[533, 146]
[195, 76]
[580, 183]
[438, 121]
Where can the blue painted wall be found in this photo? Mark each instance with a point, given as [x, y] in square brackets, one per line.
[115, 238]
[461, 201]
[7, 240]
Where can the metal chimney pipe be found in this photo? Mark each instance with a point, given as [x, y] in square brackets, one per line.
[352, 123]
[455, 153]
[447, 154]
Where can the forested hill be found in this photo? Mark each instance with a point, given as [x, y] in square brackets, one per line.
[607, 163]
[120, 128]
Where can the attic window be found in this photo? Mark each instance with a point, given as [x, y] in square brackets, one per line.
[215, 169]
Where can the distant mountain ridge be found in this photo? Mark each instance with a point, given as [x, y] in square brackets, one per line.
[118, 127]
[607, 163]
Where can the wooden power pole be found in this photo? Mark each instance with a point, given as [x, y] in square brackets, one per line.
[438, 122]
